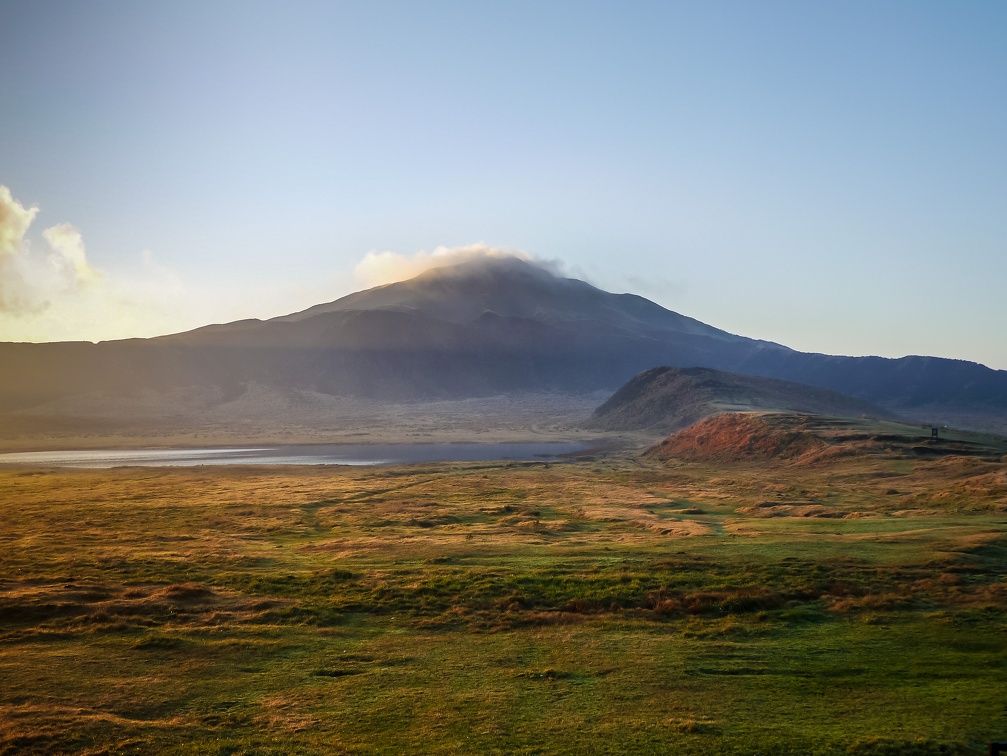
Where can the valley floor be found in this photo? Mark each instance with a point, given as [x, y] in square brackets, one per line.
[611, 606]
[264, 416]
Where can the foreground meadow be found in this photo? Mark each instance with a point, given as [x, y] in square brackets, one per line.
[618, 605]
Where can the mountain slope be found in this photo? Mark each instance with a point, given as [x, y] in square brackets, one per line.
[665, 399]
[485, 327]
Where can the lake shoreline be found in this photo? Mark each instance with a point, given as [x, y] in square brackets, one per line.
[342, 454]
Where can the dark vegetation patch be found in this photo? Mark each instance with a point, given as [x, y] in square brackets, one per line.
[882, 746]
[339, 672]
[158, 642]
[119, 607]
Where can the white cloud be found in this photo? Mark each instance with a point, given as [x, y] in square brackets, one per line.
[51, 291]
[68, 246]
[16, 291]
[14, 222]
[31, 280]
[379, 268]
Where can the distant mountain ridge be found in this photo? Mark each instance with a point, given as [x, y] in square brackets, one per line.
[486, 327]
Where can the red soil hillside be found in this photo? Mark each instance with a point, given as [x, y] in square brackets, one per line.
[736, 437]
[809, 439]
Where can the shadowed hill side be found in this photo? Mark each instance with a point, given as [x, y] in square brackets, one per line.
[665, 399]
[381, 354]
[942, 387]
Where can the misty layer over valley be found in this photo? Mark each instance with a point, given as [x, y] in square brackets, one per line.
[493, 343]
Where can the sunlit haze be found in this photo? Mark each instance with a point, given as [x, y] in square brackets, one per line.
[832, 177]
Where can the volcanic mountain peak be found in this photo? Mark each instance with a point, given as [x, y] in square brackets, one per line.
[514, 288]
[489, 267]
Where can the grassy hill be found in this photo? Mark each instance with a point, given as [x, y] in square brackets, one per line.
[665, 399]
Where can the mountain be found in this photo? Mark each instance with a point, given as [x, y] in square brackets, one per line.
[513, 288]
[487, 327]
[666, 399]
[481, 328]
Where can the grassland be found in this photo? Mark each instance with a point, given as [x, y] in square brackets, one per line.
[620, 605]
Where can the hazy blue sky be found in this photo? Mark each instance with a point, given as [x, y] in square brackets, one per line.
[829, 175]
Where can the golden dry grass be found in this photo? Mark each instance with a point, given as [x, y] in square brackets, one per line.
[621, 605]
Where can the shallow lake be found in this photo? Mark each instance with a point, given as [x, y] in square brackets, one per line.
[299, 454]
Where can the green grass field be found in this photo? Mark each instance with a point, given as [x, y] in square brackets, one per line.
[610, 606]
